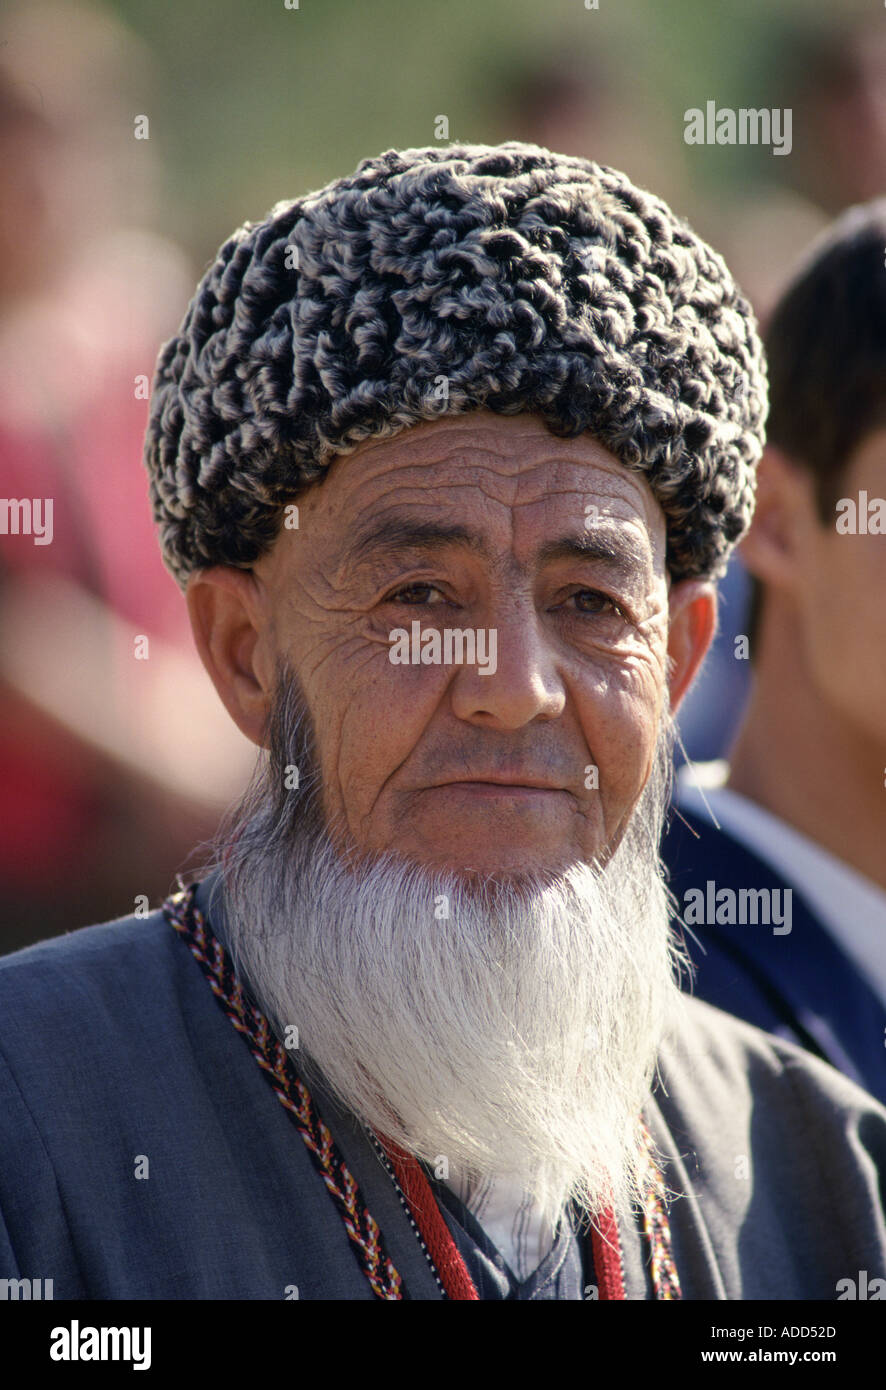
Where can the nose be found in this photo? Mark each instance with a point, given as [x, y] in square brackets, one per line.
[525, 683]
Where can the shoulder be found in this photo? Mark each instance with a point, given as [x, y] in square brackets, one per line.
[728, 1087]
[88, 965]
[715, 1048]
[70, 1003]
[784, 1156]
[93, 1025]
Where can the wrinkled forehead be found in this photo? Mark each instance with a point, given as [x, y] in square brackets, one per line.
[503, 486]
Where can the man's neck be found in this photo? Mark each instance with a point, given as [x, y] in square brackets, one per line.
[798, 759]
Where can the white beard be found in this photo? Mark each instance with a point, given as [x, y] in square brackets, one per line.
[516, 1037]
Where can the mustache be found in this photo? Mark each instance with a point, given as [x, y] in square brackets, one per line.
[534, 761]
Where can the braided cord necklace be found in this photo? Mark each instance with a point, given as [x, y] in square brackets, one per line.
[412, 1187]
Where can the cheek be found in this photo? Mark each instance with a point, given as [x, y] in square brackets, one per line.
[845, 623]
[619, 713]
[828, 585]
[372, 714]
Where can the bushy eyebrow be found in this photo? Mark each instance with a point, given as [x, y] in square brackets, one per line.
[617, 548]
[396, 534]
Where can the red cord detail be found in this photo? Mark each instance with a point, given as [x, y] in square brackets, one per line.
[606, 1245]
[434, 1232]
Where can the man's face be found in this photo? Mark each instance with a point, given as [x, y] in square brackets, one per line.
[842, 581]
[490, 524]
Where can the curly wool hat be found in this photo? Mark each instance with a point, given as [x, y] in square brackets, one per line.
[524, 280]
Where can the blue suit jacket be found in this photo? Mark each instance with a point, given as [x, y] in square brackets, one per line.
[801, 986]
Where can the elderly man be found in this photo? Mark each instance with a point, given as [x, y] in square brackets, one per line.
[446, 457]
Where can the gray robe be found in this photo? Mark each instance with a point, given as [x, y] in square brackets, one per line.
[143, 1153]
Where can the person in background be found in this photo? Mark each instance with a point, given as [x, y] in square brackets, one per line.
[799, 808]
[107, 783]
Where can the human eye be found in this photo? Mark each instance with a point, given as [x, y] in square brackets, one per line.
[411, 594]
[595, 603]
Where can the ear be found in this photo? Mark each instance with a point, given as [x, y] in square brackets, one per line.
[784, 507]
[693, 622]
[232, 632]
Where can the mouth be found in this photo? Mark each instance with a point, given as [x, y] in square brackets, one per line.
[489, 788]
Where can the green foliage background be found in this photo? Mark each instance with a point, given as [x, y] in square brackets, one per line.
[251, 102]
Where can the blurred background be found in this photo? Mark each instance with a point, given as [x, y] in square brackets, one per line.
[134, 138]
